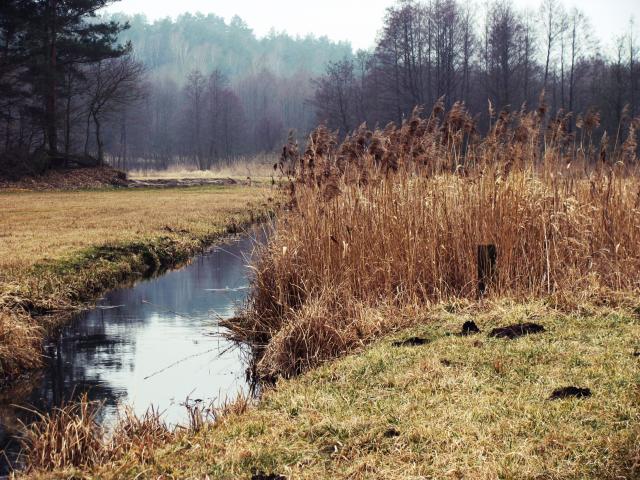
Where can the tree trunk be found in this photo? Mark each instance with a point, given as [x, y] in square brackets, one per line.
[67, 125]
[96, 122]
[50, 103]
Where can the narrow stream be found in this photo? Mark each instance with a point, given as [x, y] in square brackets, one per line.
[156, 343]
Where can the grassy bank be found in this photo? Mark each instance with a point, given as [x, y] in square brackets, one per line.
[456, 407]
[257, 168]
[60, 249]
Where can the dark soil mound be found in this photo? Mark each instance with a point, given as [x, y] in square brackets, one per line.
[516, 331]
[264, 476]
[391, 433]
[469, 328]
[570, 392]
[412, 342]
[69, 179]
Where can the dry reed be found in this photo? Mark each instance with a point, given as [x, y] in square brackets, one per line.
[71, 436]
[68, 437]
[393, 218]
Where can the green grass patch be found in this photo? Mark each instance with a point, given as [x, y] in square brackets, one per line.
[458, 407]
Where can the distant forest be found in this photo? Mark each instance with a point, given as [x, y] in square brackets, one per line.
[494, 59]
[77, 85]
[214, 90]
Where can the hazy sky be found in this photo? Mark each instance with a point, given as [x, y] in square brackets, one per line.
[355, 20]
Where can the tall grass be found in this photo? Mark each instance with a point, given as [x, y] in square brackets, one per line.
[253, 167]
[392, 218]
[72, 437]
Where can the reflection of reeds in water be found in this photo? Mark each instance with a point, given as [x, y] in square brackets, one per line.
[392, 219]
[9, 412]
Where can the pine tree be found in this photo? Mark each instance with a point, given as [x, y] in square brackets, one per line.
[51, 40]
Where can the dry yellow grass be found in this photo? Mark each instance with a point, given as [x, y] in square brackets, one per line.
[394, 217]
[35, 227]
[257, 168]
[458, 407]
[59, 249]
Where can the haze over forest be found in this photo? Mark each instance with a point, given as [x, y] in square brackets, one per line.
[198, 89]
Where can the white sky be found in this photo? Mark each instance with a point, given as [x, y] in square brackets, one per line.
[357, 21]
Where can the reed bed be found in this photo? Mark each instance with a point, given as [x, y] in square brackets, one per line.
[68, 437]
[391, 220]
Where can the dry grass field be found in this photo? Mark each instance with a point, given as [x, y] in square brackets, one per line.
[257, 168]
[59, 249]
[48, 226]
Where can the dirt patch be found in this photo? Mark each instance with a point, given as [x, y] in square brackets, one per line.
[69, 179]
[391, 433]
[184, 182]
[412, 342]
[516, 331]
[570, 392]
[264, 476]
[469, 328]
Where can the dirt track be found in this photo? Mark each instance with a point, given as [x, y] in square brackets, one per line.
[95, 178]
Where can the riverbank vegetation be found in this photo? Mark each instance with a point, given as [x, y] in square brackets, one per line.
[392, 219]
[61, 249]
[254, 168]
[454, 406]
[376, 259]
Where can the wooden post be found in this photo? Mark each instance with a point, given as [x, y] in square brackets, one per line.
[487, 257]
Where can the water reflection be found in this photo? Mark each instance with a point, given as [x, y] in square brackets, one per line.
[156, 343]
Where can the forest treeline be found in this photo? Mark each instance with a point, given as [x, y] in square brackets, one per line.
[491, 59]
[78, 85]
[216, 90]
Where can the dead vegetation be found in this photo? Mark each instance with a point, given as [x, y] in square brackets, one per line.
[253, 168]
[392, 219]
[67, 179]
[71, 437]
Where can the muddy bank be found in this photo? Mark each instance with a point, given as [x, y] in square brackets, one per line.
[183, 182]
[100, 177]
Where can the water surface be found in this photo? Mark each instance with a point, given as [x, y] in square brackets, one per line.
[155, 343]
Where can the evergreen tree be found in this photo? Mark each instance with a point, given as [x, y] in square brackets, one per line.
[49, 40]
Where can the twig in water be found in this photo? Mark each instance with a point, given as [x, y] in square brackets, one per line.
[158, 372]
[165, 310]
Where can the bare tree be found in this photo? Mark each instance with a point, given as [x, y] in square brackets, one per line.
[336, 96]
[195, 93]
[579, 45]
[113, 85]
[554, 23]
[633, 80]
[504, 39]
